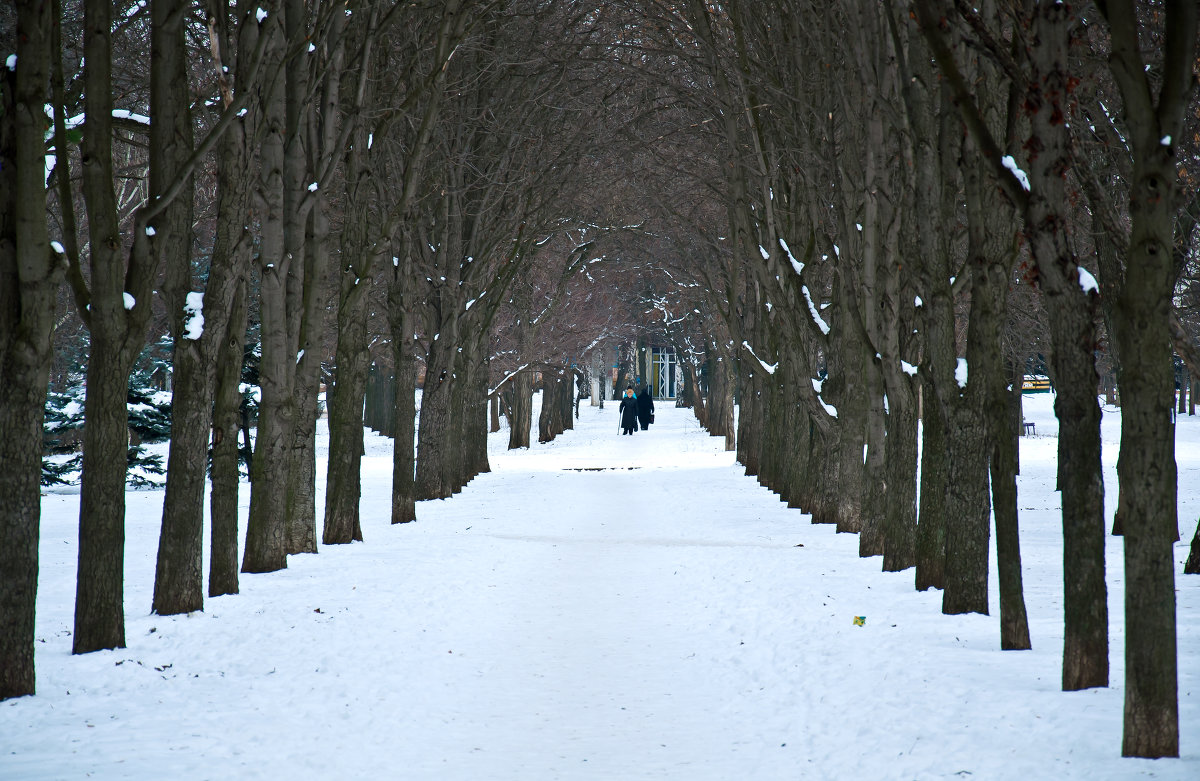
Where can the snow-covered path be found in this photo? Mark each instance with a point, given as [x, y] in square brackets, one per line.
[601, 607]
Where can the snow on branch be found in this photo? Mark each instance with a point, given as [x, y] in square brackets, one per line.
[812, 310]
[791, 258]
[508, 377]
[1087, 282]
[768, 367]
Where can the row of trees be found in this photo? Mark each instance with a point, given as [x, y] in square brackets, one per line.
[941, 155]
[308, 168]
[845, 238]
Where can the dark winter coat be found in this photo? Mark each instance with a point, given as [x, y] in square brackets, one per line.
[645, 405]
[629, 412]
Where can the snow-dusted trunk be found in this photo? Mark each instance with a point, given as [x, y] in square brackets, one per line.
[343, 489]
[179, 571]
[266, 532]
[226, 307]
[1147, 432]
[117, 311]
[1073, 338]
[30, 274]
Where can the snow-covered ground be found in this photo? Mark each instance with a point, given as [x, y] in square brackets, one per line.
[602, 607]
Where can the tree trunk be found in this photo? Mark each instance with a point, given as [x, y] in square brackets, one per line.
[226, 350]
[750, 421]
[1073, 340]
[404, 442]
[968, 507]
[720, 419]
[1005, 415]
[846, 363]
[900, 520]
[550, 423]
[876, 495]
[520, 420]
[100, 588]
[1147, 469]
[227, 417]
[476, 416]
[931, 520]
[179, 572]
[116, 313]
[266, 530]
[302, 455]
[435, 427]
[29, 278]
[343, 491]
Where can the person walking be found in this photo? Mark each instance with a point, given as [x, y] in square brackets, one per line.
[645, 404]
[629, 411]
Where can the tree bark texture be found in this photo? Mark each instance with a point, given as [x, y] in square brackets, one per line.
[118, 307]
[931, 518]
[520, 420]
[227, 418]
[1005, 415]
[1073, 340]
[343, 491]
[900, 519]
[404, 441]
[266, 531]
[179, 571]
[29, 277]
[1147, 469]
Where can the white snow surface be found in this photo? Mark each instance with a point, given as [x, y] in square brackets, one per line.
[599, 607]
[128, 299]
[193, 307]
[1011, 164]
[797, 265]
[121, 113]
[812, 310]
[1087, 282]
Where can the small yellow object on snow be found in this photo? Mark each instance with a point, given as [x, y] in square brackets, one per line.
[860, 620]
